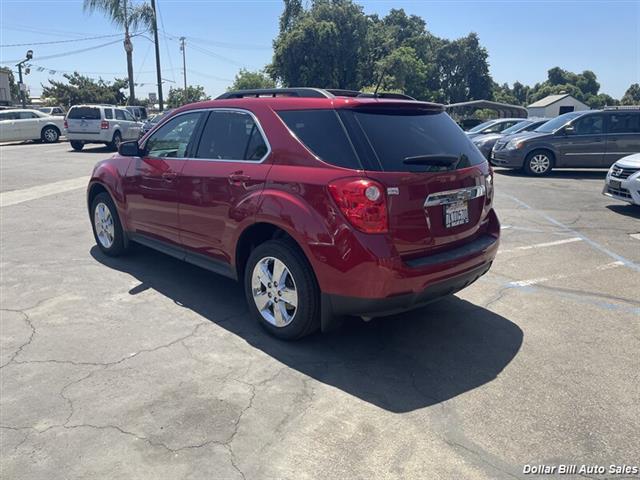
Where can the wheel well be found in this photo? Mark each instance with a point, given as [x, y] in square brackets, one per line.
[254, 236]
[94, 191]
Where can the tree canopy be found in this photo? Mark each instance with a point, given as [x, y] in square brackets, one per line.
[81, 89]
[246, 80]
[177, 98]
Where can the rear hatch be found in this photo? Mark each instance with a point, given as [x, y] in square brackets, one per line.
[83, 120]
[435, 177]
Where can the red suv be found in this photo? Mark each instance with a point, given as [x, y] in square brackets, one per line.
[322, 202]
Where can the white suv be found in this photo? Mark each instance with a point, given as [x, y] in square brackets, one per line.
[100, 124]
[26, 124]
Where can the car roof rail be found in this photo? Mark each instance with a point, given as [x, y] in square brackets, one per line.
[302, 92]
[622, 107]
[396, 96]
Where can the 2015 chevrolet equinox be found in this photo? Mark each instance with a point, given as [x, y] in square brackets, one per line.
[322, 202]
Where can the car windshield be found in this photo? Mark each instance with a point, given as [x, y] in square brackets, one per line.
[481, 127]
[517, 127]
[558, 122]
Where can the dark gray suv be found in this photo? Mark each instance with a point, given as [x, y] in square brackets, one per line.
[586, 139]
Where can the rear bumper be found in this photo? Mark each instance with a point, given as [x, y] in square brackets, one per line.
[104, 136]
[378, 307]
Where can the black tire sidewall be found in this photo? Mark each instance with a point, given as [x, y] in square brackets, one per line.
[44, 138]
[307, 317]
[118, 245]
[114, 144]
[527, 165]
[76, 145]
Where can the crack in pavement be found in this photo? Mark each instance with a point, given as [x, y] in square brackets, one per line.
[29, 340]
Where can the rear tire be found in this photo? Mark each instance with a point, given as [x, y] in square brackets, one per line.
[288, 311]
[107, 229]
[76, 145]
[115, 143]
[50, 134]
[538, 163]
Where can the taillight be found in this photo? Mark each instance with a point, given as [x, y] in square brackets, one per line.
[363, 202]
[66, 125]
[104, 125]
[488, 182]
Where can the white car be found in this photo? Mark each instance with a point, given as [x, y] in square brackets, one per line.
[25, 124]
[623, 180]
[106, 124]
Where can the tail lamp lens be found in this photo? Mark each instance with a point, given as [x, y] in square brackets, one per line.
[66, 124]
[362, 202]
[104, 125]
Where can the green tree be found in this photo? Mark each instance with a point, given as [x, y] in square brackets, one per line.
[246, 80]
[128, 15]
[81, 89]
[632, 95]
[195, 93]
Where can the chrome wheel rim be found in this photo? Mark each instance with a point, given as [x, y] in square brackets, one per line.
[50, 135]
[274, 291]
[117, 141]
[103, 223]
[539, 163]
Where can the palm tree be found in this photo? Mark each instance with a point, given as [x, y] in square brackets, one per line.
[128, 15]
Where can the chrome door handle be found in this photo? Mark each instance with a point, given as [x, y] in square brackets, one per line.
[238, 177]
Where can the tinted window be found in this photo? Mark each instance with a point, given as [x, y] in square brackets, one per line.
[399, 135]
[589, 125]
[8, 115]
[108, 113]
[27, 115]
[558, 122]
[624, 123]
[128, 116]
[323, 134]
[518, 127]
[230, 135]
[120, 114]
[172, 139]
[84, 113]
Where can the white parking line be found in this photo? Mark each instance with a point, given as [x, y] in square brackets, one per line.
[534, 281]
[15, 197]
[543, 245]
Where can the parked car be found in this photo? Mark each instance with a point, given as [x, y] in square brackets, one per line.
[623, 180]
[492, 126]
[584, 139]
[100, 124]
[321, 204]
[153, 121]
[139, 113]
[485, 142]
[26, 124]
[55, 111]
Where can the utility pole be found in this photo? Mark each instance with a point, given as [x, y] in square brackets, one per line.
[155, 37]
[184, 68]
[23, 97]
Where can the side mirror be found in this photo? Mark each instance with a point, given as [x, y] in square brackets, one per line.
[129, 149]
[569, 130]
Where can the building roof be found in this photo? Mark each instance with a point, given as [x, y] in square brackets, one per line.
[551, 99]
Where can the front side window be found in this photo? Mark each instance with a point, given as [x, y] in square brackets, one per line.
[589, 125]
[120, 115]
[128, 116]
[172, 139]
[8, 116]
[624, 123]
[231, 135]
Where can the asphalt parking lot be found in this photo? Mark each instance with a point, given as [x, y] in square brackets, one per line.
[145, 367]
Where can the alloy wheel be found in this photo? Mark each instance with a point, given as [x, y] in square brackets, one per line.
[539, 163]
[104, 225]
[274, 291]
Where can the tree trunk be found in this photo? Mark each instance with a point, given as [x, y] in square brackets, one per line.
[128, 47]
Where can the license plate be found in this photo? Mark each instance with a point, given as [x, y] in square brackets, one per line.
[456, 214]
[617, 184]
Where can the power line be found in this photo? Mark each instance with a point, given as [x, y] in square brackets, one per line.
[66, 54]
[237, 46]
[216, 55]
[60, 41]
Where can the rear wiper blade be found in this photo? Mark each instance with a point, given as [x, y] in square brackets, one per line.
[436, 160]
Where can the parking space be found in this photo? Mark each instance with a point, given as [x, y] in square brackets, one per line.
[146, 367]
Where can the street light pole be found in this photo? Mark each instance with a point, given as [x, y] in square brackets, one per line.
[23, 97]
[155, 37]
[184, 69]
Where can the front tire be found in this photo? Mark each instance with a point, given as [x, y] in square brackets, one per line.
[107, 229]
[76, 145]
[50, 134]
[281, 290]
[538, 163]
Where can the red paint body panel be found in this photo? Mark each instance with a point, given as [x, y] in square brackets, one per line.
[209, 204]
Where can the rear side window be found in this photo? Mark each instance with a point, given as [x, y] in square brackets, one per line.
[624, 123]
[231, 135]
[84, 113]
[322, 132]
[401, 136]
[108, 113]
[27, 116]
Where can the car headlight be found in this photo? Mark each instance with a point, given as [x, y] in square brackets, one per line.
[515, 145]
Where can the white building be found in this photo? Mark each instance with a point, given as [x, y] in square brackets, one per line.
[555, 105]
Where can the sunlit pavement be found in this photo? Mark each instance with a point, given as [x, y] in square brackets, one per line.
[145, 367]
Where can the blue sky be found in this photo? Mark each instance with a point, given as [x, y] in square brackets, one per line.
[524, 38]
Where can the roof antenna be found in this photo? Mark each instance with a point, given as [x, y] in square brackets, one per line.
[375, 92]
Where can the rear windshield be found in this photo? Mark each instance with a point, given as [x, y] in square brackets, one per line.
[84, 113]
